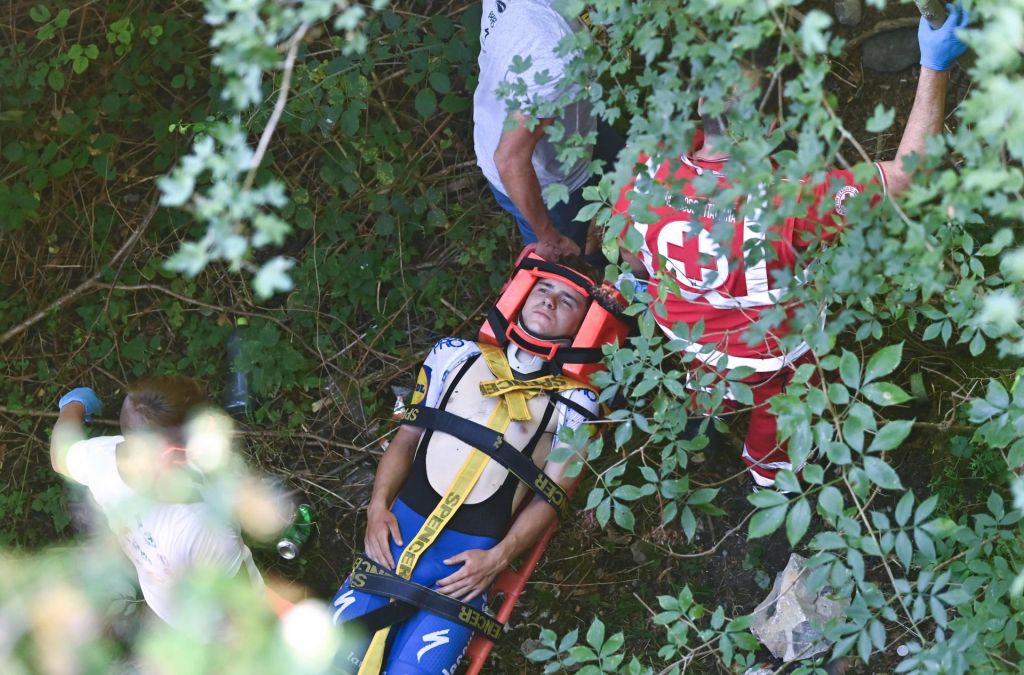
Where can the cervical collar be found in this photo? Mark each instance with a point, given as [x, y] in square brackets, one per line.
[525, 363]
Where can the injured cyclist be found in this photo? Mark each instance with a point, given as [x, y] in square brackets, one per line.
[477, 445]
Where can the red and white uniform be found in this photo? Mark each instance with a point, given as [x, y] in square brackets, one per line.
[729, 286]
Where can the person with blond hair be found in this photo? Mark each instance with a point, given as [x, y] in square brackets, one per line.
[150, 491]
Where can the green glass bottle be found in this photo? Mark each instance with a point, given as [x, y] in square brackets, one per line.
[297, 534]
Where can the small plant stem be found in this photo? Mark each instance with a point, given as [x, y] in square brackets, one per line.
[885, 562]
[282, 98]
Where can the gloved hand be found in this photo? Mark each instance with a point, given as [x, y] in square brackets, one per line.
[87, 397]
[941, 47]
[628, 279]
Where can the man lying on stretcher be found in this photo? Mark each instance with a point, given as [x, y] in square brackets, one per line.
[441, 512]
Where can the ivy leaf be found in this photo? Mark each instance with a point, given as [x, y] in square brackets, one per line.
[883, 362]
[881, 120]
[273, 277]
[812, 31]
[881, 474]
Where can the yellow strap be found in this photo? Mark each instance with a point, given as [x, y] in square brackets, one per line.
[516, 391]
[515, 399]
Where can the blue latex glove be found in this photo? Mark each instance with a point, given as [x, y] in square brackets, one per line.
[941, 47]
[87, 397]
[627, 279]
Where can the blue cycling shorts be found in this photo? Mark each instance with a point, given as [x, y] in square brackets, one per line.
[424, 643]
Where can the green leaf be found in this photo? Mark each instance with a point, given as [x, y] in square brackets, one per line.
[830, 501]
[39, 13]
[595, 635]
[905, 508]
[884, 394]
[881, 474]
[904, 549]
[55, 79]
[881, 119]
[838, 453]
[426, 102]
[273, 277]
[797, 521]
[883, 362]
[849, 370]
[813, 31]
[814, 474]
[787, 481]
[440, 81]
[891, 435]
[624, 517]
[767, 521]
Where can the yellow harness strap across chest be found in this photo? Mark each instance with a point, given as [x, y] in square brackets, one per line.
[512, 405]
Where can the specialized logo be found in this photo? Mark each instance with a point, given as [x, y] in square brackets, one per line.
[343, 602]
[436, 639]
[420, 391]
[842, 195]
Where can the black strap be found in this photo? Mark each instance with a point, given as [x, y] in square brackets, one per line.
[372, 578]
[569, 403]
[541, 428]
[382, 617]
[563, 355]
[494, 445]
[562, 271]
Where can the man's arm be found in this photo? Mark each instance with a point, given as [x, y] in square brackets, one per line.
[480, 567]
[391, 474]
[940, 47]
[925, 120]
[76, 408]
[68, 430]
[514, 160]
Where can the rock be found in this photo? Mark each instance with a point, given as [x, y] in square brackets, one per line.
[790, 620]
[892, 51]
[849, 12]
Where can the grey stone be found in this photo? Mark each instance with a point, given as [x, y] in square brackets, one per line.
[849, 12]
[892, 51]
[790, 621]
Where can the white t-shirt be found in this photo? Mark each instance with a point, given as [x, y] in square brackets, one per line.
[162, 540]
[525, 28]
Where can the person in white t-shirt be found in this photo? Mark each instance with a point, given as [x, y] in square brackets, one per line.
[519, 161]
[150, 493]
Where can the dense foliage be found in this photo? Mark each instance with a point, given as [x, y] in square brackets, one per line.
[322, 147]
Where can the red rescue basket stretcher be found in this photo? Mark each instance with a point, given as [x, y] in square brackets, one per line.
[510, 584]
[579, 361]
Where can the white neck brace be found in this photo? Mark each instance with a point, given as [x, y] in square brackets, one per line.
[522, 361]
